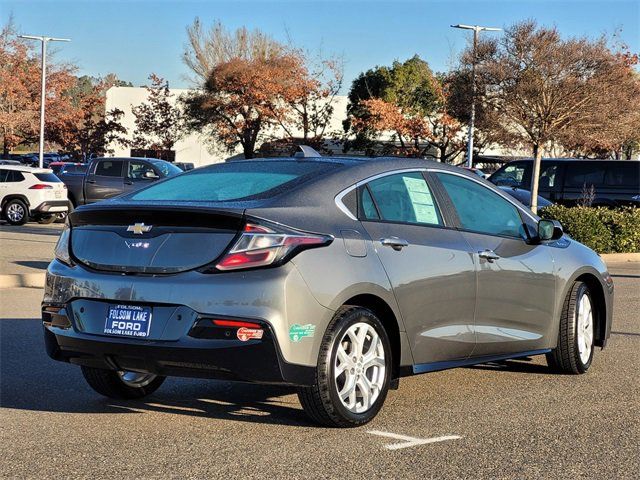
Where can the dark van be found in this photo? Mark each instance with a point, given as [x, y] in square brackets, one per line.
[565, 181]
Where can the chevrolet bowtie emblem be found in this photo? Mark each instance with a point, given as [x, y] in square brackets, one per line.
[139, 228]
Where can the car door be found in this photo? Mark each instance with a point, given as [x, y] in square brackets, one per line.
[139, 173]
[516, 283]
[428, 265]
[583, 182]
[105, 180]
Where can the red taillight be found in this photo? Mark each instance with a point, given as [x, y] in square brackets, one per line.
[261, 246]
[235, 324]
[40, 186]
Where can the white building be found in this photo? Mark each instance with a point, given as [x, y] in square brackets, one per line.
[192, 148]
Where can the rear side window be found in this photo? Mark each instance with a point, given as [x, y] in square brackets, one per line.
[581, 174]
[623, 174]
[404, 197]
[246, 180]
[11, 176]
[47, 177]
[481, 209]
[109, 168]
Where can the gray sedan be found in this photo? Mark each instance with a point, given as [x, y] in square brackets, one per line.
[336, 275]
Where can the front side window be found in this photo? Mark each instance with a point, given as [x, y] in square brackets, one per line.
[109, 168]
[548, 176]
[140, 171]
[511, 176]
[403, 198]
[481, 209]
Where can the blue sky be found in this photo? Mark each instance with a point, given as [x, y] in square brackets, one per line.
[134, 38]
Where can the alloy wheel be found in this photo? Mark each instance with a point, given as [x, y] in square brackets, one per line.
[359, 367]
[585, 328]
[15, 212]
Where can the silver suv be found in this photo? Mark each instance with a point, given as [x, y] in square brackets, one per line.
[336, 275]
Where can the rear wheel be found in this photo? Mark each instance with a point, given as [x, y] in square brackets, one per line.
[123, 385]
[16, 212]
[353, 373]
[574, 352]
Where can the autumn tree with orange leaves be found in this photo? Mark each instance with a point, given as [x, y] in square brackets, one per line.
[251, 86]
[20, 91]
[404, 110]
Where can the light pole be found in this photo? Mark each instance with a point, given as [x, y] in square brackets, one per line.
[476, 29]
[43, 83]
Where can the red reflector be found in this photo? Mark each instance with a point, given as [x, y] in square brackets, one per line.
[235, 324]
[251, 228]
[40, 186]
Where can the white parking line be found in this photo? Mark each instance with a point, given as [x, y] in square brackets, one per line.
[410, 441]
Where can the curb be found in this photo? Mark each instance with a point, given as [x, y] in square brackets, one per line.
[22, 280]
[620, 257]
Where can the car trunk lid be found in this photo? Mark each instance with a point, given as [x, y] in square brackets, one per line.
[151, 239]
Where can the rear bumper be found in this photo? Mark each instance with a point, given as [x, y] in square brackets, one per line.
[51, 206]
[224, 358]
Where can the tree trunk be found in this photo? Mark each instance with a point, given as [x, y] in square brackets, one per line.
[535, 177]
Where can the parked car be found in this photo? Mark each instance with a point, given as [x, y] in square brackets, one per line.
[9, 162]
[524, 196]
[477, 171]
[109, 177]
[184, 166]
[27, 192]
[568, 181]
[334, 275]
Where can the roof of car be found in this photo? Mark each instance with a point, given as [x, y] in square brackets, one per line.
[24, 168]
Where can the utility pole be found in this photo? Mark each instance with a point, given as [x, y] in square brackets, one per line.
[476, 29]
[43, 84]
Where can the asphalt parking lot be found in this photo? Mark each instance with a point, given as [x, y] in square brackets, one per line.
[509, 420]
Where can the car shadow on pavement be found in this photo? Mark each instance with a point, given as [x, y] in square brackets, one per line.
[40, 265]
[33, 229]
[30, 380]
[520, 365]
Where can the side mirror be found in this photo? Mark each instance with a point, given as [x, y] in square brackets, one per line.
[549, 230]
[149, 175]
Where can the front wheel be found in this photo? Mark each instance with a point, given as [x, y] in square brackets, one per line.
[16, 212]
[122, 385]
[574, 352]
[353, 372]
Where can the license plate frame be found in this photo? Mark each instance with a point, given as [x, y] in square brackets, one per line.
[133, 321]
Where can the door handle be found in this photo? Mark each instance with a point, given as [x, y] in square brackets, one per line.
[128, 182]
[489, 255]
[91, 181]
[394, 242]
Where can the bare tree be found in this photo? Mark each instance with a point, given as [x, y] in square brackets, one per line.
[547, 89]
[210, 47]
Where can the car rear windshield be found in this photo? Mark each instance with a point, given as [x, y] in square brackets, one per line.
[47, 177]
[242, 180]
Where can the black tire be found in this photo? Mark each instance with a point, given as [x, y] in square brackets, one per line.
[109, 384]
[18, 206]
[321, 401]
[47, 220]
[565, 358]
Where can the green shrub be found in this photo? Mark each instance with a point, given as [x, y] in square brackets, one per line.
[602, 229]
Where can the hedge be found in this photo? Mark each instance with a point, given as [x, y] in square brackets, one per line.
[605, 230]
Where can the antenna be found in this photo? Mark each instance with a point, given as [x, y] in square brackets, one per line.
[304, 151]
